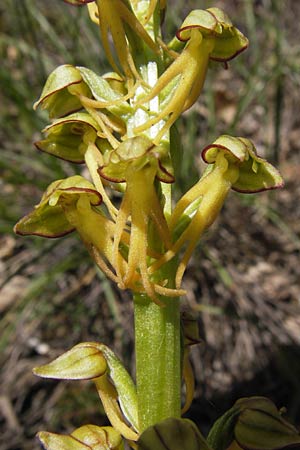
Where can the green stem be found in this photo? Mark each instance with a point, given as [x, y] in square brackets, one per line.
[157, 329]
[158, 372]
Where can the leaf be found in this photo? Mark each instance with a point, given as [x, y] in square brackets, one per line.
[260, 426]
[173, 434]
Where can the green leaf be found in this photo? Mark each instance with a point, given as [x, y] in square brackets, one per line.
[260, 426]
[255, 173]
[59, 95]
[221, 434]
[65, 136]
[253, 423]
[173, 434]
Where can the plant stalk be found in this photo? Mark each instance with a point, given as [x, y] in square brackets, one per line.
[158, 371]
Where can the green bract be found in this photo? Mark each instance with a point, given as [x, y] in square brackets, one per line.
[60, 94]
[48, 218]
[91, 360]
[65, 136]
[255, 173]
[103, 92]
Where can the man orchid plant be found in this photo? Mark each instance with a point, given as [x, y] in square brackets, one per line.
[122, 126]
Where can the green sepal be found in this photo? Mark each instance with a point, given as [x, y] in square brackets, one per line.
[59, 95]
[48, 218]
[260, 426]
[255, 173]
[213, 23]
[173, 434]
[65, 136]
[134, 154]
[87, 437]
[103, 92]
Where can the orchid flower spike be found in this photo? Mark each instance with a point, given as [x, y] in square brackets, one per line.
[69, 205]
[209, 34]
[138, 162]
[113, 16]
[236, 165]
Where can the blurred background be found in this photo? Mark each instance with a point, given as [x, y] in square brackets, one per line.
[243, 282]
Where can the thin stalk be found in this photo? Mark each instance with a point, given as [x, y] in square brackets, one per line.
[157, 338]
[157, 329]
